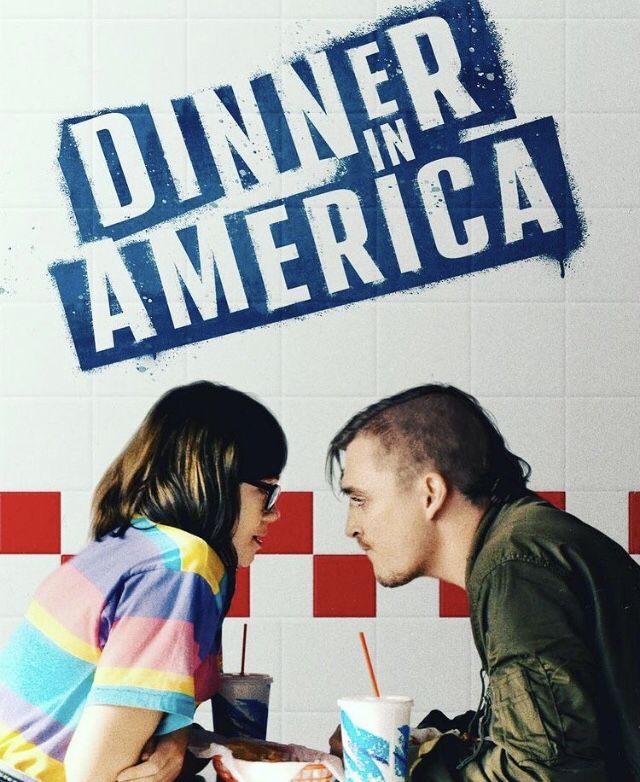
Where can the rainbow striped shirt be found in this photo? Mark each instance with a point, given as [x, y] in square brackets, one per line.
[130, 621]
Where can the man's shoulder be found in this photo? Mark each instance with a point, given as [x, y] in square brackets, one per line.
[534, 531]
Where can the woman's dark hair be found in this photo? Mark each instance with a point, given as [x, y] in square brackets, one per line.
[447, 429]
[184, 465]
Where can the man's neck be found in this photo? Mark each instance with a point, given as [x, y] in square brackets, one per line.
[457, 528]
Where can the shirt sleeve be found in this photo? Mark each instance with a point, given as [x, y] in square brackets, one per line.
[542, 680]
[162, 627]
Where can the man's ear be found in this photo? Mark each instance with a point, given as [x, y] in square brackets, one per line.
[436, 493]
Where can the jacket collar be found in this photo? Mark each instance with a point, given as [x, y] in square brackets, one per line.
[484, 527]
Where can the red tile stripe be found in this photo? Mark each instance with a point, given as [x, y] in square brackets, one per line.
[241, 603]
[557, 498]
[29, 522]
[293, 532]
[343, 585]
[453, 600]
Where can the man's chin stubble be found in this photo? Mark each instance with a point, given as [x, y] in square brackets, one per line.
[398, 580]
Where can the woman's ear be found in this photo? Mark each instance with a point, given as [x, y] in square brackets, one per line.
[436, 493]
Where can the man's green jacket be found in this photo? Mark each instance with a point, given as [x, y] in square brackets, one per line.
[555, 610]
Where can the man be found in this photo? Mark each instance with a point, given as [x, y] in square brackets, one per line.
[555, 605]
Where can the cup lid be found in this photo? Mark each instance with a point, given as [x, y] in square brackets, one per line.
[250, 676]
[390, 700]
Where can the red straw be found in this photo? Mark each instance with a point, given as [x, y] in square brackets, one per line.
[372, 675]
[244, 648]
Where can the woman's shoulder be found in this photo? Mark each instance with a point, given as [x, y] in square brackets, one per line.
[180, 550]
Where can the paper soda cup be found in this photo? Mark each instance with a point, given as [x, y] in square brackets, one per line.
[375, 738]
[241, 705]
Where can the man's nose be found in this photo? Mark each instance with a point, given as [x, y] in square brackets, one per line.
[352, 529]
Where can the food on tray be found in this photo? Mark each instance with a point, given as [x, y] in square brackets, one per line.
[245, 749]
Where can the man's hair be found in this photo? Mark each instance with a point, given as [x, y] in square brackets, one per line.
[445, 429]
[184, 465]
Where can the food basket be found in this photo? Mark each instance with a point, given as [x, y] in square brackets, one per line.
[268, 762]
[311, 772]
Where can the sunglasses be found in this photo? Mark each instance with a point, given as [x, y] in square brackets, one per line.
[271, 490]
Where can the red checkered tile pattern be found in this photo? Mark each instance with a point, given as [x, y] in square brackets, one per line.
[30, 522]
[343, 584]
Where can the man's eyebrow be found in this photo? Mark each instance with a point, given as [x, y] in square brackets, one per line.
[348, 490]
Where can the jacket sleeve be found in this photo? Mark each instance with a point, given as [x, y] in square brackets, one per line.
[541, 679]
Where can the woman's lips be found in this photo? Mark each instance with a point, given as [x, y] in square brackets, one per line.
[258, 539]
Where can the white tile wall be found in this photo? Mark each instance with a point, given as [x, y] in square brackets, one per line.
[132, 9]
[595, 272]
[534, 428]
[291, 594]
[49, 357]
[434, 336]
[602, 9]
[53, 436]
[605, 510]
[134, 52]
[603, 360]
[21, 573]
[75, 521]
[322, 661]
[50, 65]
[602, 443]
[259, 371]
[518, 349]
[331, 366]
[531, 280]
[213, 46]
[329, 519]
[30, 177]
[554, 360]
[409, 661]
[601, 160]
[590, 81]
[241, 9]
[553, 9]
[311, 422]
[43, 9]
[539, 81]
[419, 598]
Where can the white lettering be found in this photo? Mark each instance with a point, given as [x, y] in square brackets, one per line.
[119, 127]
[331, 251]
[176, 269]
[106, 271]
[271, 257]
[515, 165]
[437, 210]
[422, 85]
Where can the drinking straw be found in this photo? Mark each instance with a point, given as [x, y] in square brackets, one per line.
[244, 648]
[372, 674]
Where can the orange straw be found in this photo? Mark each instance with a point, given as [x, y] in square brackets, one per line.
[244, 648]
[372, 674]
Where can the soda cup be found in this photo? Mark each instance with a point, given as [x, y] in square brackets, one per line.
[375, 738]
[241, 705]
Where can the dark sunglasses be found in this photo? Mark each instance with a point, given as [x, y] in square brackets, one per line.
[271, 490]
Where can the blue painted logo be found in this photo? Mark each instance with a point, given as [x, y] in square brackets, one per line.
[392, 190]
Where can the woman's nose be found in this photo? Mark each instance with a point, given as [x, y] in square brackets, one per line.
[272, 515]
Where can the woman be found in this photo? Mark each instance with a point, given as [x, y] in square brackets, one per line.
[121, 643]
